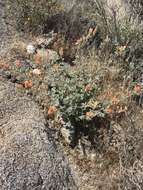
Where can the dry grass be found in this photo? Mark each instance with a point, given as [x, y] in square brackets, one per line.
[121, 165]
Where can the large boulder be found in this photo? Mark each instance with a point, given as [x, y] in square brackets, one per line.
[29, 158]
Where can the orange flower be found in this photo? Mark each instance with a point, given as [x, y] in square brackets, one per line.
[137, 88]
[38, 59]
[109, 110]
[88, 88]
[28, 83]
[4, 66]
[89, 114]
[52, 110]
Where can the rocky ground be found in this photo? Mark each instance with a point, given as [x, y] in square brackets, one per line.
[29, 158]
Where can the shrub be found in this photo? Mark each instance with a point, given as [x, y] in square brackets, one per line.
[67, 94]
[71, 93]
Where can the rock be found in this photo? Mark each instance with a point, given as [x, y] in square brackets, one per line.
[29, 158]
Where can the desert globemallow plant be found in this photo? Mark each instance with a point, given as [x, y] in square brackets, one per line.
[71, 95]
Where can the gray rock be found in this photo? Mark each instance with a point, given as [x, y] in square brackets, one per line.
[29, 159]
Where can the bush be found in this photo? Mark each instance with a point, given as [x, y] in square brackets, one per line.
[67, 94]
[71, 93]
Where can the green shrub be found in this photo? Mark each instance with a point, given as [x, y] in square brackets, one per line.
[67, 94]
[71, 93]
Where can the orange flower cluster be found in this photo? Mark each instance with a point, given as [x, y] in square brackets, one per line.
[28, 84]
[91, 32]
[109, 110]
[52, 110]
[117, 109]
[88, 88]
[4, 66]
[89, 114]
